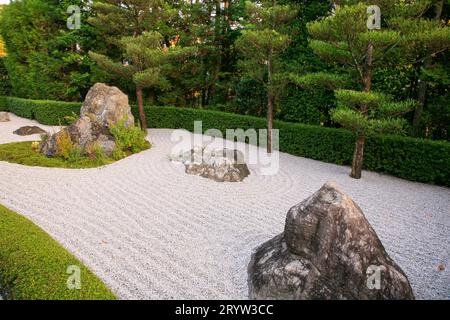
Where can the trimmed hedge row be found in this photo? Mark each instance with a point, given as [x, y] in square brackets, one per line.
[44, 111]
[34, 266]
[412, 159]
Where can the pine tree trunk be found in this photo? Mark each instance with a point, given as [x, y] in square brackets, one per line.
[358, 154]
[270, 103]
[141, 109]
[421, 97]
[358, 157]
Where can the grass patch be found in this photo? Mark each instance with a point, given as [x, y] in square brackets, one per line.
[23, 153]
[34, 266]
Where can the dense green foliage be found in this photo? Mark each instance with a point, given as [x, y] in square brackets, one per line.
[347, 40]
[5, 83]
[33, 265]
[46, 60]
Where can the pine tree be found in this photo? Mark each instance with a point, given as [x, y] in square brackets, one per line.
[147, 60]
[344, 38]
[261, 44]
[119, 20]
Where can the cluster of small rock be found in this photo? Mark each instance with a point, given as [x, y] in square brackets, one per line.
[221, 165]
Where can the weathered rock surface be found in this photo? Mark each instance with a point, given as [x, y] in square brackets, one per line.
[216, 164]
[328, 250]
[4, 116]
[103, 106]
[29, 130]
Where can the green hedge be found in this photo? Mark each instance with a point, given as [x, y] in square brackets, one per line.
[412, 159]
[3, 103]
[44, 111]
[34, 266]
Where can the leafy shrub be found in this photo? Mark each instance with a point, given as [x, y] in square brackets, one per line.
[72, 118]
[95, 152]
[65, 148]
[129, 138]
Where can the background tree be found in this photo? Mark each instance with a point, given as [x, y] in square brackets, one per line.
[297, 104]
[261, 43]
[147, 62]
[344, 38]
[46, 60]
[117, 20]
[5, 84]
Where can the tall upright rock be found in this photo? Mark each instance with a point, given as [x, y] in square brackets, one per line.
[103, 106]
[328, 250]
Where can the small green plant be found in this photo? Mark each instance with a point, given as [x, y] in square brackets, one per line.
[66, 149]
[71, 118]
[95, 152]
[129, 138]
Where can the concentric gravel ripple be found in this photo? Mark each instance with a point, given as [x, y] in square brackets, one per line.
[150, 231]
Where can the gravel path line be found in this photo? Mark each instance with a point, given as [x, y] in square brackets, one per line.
[150, 231]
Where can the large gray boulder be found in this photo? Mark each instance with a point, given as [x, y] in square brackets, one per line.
[103, 106]
[328, 250]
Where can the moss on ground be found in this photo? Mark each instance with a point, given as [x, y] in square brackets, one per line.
[34, 266]
[23, 153]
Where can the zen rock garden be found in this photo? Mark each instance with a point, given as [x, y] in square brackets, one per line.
[235, 150]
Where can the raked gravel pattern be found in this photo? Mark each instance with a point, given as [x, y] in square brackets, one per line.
[150, 231]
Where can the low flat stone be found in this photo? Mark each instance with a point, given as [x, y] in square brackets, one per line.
[29, 130]
[4, 116]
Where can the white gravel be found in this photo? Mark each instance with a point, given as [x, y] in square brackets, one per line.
[152, 232]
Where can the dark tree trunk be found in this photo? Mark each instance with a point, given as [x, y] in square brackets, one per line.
[141, 109]
[358, 157]
[421, 97]
[358, 154]
[270, 103]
